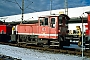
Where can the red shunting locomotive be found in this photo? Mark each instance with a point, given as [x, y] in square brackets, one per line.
[51, 30]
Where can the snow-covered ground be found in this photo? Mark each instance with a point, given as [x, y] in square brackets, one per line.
[30, 54]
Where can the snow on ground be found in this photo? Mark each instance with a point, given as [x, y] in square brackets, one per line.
[30, 54]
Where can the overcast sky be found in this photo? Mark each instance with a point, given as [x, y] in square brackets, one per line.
[9, 7]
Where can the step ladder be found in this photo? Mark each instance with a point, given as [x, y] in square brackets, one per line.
[54, 43]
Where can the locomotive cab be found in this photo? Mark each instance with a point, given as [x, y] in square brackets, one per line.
[54, 28]
[53, 25]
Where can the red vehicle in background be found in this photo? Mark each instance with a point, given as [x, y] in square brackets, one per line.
[5, 32]
[87, 40]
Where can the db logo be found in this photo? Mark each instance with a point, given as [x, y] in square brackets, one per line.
[43, 29]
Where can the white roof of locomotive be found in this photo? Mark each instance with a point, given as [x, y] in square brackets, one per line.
[49, 15]
[72, 13]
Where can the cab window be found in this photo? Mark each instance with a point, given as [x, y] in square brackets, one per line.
[46, 21]
[52, 22]
[43, 21]
[60, 20]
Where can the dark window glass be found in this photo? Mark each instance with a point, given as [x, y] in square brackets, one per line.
[52, 20]
[41, 21]
[46, 21]
[60, 19]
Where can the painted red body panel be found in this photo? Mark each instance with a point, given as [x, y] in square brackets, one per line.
[47, 32]
[88, 26]
[3, 27]
[43, 30]
[6, 28]
[27, 29]
[89, 22]
[34, 29]
[86, 32]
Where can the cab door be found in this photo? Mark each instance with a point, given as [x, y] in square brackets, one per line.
[53, 27]
[44, 28]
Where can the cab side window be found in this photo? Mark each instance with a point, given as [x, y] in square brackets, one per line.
[43, 21]
[46, 21]
[52, 22]
[60, 20]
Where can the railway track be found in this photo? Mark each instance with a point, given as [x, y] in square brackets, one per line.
[71, 51]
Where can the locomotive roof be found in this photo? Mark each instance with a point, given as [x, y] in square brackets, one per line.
[50, 15]
[88, 12]
[53, 15]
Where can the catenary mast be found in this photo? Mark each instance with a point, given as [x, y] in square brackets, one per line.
[22, 10]
[66, 7]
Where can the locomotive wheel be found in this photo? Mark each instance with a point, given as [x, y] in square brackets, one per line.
[79, 43]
